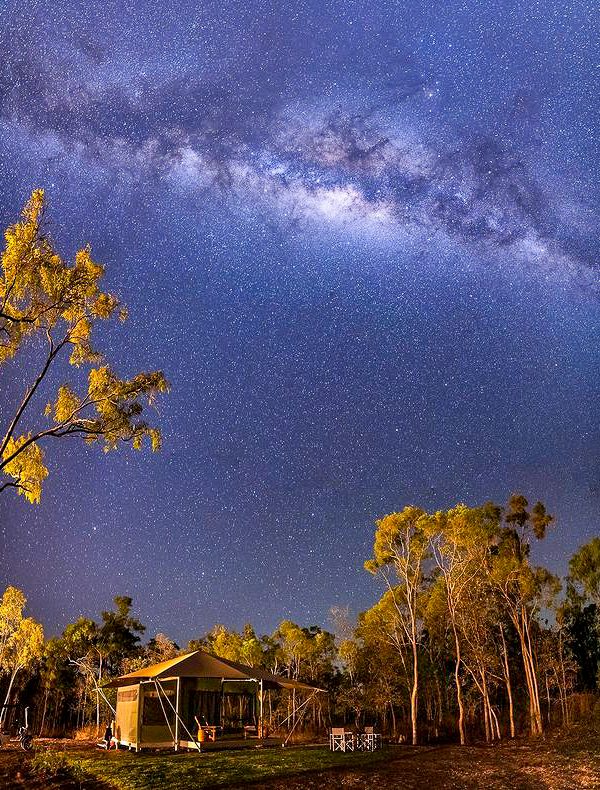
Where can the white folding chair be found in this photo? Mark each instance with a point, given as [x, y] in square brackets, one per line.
[371, 739]
[340, 740]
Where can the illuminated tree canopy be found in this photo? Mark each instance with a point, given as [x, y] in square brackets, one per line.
[49, 309]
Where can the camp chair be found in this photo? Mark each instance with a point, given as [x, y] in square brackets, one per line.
[370, 739]
[360, 742]
[340, 740]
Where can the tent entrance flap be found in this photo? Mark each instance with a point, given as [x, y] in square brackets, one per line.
[157, 723]
[126, 716]
[178, 720]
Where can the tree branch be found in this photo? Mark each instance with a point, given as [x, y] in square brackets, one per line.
[13, 485]
[51, 356]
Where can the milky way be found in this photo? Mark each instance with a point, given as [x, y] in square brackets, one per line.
[324, 160]
[361, 239]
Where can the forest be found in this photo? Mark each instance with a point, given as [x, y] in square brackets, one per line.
[470, 640]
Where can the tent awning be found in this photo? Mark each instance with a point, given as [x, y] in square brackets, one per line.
[199, 664]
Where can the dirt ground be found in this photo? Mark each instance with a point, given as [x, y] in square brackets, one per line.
[561, 761]
[556, 762]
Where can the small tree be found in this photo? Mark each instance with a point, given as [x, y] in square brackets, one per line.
[22, 640]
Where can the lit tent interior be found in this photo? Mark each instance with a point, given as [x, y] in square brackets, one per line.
[158, 706]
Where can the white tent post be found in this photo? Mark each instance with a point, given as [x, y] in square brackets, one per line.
[261, 732]
[140, 714]
[177, 715]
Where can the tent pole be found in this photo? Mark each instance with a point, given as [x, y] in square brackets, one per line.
[299, 719]
[178, 718]
[222, 717]
[298, 709]
[177, 715]
[140, 714]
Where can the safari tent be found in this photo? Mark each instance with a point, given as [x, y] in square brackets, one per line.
[160, 704]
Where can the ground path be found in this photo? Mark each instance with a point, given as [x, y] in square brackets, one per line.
[553, 763]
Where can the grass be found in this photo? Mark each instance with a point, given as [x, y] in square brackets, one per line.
[192, 771]
[560, 760]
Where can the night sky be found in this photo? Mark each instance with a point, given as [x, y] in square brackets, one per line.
[360, 238]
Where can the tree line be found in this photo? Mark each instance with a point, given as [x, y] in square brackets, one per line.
[469, 639]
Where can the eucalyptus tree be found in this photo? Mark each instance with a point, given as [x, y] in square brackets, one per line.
[460, 539]
[22, 641]
[400, 556]
[380, 675]
[523, 588]
[49, 309]
[245, 647]
[118, 636]
[584, 570]
[292, 648]
[101, 649]
[581, 612]
[478, 617]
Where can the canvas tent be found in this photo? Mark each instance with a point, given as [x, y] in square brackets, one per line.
[158, 705]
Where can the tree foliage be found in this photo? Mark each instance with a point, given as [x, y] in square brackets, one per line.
[584, 569]
[49, 309]
[21, 640]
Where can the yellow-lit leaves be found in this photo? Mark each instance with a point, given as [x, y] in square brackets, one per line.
[60, 302]
[154, 436]
[397, 535]
[26, 467]
[40, 292]
[12, 604]
[21, 638]
[119, 404]
[66, 404]
[21, 252]
[104, 306]
[25, 645]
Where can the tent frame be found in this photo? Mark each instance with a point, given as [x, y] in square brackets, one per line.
[176, 741]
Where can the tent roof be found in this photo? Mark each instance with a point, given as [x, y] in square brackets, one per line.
[199, 664]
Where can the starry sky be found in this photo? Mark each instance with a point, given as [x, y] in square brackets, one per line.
[360, 238]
